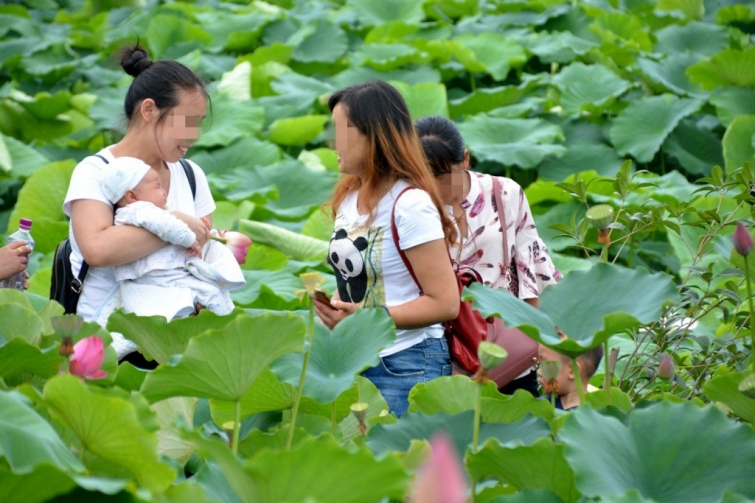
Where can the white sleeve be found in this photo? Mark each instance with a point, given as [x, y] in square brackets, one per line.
[417, 219]
[157, 221]
[204, 204]
[86, 183]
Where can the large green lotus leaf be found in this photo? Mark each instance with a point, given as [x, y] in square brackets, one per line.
[277, 441]
[110, 428]
[223, 364]
[170, 413]
[170, 36]
[376, 13]
[231, 120]
[19, 357]
[236, 155]
[689, 9]
[733, 101]
[455, 394]
[295, 246]
[416, 426]
[42, 195]
[729, 67]
[236, 32]
[579, 157]
[264, 258]
[17, 321]
[587, 306]
[28, 440]
[582, 85]
[725, 389]
[319, 225]
[454, 9]
[129, 378]
[290, 83]
[697, 149]
[411, 75]
[266, 394]
[335, 357]
[278, 290]
[24, 159]
[705, 39]
[521, 142]
[661, 452]
[38, 486]
[641, 128]
[560, 46]
[541, 465]
[237, 83]
[386, 57]
[492, 53]
[158, 339]
[424, 99]
[738, 142]
[486, 99]
[297, 130]
[527, 495]
[351, 476]
[671, 73]
[615, 27]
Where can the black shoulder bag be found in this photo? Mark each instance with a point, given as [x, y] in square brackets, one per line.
[65, 288]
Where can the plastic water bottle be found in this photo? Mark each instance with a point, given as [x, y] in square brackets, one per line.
[22, 234]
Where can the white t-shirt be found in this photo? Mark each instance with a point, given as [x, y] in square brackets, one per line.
[369, 270]
[100, 285]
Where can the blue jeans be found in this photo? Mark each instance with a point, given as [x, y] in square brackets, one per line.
[397, 374]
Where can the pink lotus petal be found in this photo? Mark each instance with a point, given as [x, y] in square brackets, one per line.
[742, 240]
[441, 479]
[238, 243]
[86, 360]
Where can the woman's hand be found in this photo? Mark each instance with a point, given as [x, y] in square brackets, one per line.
[197, 225]
[13, 258]
[331, 314]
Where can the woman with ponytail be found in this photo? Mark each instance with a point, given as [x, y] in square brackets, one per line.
[385, 177]
[164, 108]
[470, 201]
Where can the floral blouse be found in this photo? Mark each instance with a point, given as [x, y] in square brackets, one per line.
[482, 249]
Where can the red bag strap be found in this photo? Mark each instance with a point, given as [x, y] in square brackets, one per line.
[501, 218]
[394, 232]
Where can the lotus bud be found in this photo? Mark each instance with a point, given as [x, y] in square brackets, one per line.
[66, 325]
[87, 358]
[237, 242]
[742, 240]
[601, 216]
[359, 410]
[550, 369]
[441, 479]
[311, 281]
[491, 355]
[747, 386]
[666, 368]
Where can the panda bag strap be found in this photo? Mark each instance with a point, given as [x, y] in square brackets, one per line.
[468, 329]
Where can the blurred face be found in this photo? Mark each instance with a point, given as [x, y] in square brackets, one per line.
[565, 378]
[181, 128]
[350, 144]
[150, 189]
[450, 184]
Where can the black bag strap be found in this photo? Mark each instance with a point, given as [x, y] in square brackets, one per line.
[190, 176]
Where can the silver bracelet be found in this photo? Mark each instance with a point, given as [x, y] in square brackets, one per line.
[384, 308]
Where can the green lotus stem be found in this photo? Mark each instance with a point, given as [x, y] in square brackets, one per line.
[333, 419]
[236, 428]
[752, 313]
[476, 426]
[578, 382]
[607, 376]
[297, 397]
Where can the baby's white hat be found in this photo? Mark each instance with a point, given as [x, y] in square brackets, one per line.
[123, 174]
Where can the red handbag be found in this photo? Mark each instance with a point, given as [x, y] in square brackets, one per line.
[469, 328]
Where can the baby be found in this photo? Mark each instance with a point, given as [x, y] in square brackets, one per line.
[173, 280]
[565, 386]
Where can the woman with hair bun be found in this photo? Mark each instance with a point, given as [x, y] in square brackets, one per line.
[164, 106]
[380, 264]
[470, 201]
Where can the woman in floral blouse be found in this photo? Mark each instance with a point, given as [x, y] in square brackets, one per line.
[470, 202]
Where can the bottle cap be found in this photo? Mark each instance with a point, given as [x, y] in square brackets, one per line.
[24, 224]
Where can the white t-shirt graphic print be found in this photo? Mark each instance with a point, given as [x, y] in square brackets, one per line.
[368, 268]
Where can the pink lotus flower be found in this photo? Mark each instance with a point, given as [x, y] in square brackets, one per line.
[742, 240]
[87, 358]
[238, 243]
[441, 479]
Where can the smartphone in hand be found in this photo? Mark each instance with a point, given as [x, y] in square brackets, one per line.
[322, 297]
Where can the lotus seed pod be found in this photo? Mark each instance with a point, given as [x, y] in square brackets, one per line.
[666, 368]
[550, 369]
[66, 325]
[491, 355]
[742, 240]
[747, 386]
[66, 347]
[600, 216]
[359, 410]
[311, 281]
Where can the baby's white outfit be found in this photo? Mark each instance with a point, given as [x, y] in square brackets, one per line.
[160, 283]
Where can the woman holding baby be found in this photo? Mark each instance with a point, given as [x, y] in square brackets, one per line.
[164, 107]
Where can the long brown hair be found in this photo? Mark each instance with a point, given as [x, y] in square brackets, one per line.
[393, 150]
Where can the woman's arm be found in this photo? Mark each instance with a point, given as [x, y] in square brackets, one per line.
[101, 243]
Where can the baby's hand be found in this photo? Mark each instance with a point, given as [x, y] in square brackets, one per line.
[206, 222]
[195, 250]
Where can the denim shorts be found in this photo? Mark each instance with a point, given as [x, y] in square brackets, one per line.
[397, 374]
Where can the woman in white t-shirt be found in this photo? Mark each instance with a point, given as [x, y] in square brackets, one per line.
[380, 157]
[164, 106]
[471, 204]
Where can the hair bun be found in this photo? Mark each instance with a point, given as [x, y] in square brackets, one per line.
[135, 60]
